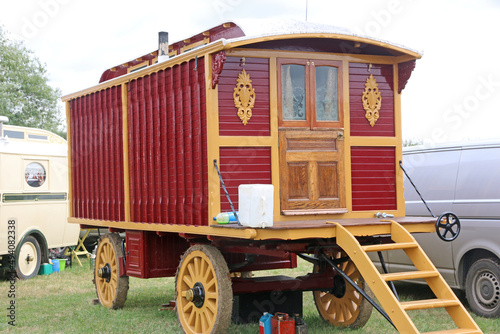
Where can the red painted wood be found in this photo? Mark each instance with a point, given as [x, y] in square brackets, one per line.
[243, 165]
[229, 122]
[373, 177]
[151, 255]
[358, 73]
[96, 157]
[168, 158]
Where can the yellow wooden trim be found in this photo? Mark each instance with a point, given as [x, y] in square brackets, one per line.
[275, 153]
[400, 201]
[257, 53]
[205, 50]
[375, 141]
[347, 136]
[70, 176]
[126, 172]
[245, 141]
[329, 231]
[135, 67]
[194, 45]
[248, 233]
[212, 105]
[343, 37]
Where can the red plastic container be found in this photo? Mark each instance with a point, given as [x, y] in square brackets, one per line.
[281, 323]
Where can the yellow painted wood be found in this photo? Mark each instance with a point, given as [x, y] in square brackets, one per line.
[328, 231]
[387, 247]
[428, 303]
[70, 178]
[438, 285]
[372, 277]
[275, 154]
[242, 42]
[400, 201]
[212, 105]
[347, 137]
[377, 282]
[408, 275]
[456, 331]
[126, 172]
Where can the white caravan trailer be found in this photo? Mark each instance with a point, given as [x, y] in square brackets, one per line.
[33, 202]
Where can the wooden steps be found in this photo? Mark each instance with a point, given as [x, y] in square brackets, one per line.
[457, 331]
[403, 240]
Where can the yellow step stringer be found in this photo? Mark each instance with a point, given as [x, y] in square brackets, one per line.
[402, 239]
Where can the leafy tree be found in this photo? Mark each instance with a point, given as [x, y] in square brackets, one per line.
[25, 95]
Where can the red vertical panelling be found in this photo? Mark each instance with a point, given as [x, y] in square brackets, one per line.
[167, 146]
[97, 161]
[229, 122]
[358, 73]
[373, 175]
[243, 165]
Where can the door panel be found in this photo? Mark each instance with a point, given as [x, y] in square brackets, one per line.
[311, 171]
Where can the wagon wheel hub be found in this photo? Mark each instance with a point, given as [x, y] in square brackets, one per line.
[196, 295]
[105, 272]
[339, 287]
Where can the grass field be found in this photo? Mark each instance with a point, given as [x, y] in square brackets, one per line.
[61, 303]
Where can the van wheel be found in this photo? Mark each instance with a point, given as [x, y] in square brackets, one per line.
[482, 288]
[28, 258]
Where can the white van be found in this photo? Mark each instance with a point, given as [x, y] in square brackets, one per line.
[33, 198]
[464, 179]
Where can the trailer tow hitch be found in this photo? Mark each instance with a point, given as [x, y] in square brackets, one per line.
[356, 287]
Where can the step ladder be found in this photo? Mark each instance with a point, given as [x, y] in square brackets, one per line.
[396, 310]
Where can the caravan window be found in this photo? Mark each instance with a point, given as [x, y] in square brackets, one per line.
[35, 175]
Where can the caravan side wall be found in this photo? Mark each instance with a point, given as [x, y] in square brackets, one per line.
[166, 147]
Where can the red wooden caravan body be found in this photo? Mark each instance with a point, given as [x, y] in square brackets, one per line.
[313, 110]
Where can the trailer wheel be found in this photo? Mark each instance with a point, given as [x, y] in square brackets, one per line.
[343, 306]
[204, 297]
[28, 258]
[110, 286]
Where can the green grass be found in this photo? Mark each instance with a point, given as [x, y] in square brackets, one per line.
[61, 303]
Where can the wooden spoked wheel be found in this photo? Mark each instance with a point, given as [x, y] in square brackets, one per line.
[343, 306]
[204, 297]
[110, 286]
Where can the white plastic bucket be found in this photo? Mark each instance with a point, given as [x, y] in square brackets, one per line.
[255, 202]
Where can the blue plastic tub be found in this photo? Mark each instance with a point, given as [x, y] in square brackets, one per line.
[55, 265]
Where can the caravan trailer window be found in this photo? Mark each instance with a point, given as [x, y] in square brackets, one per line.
[35, 174]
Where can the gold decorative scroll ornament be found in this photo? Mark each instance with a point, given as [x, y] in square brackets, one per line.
[372, 100]
[244, 96]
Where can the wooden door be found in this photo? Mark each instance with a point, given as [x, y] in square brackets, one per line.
[310, 137]
[311, 172]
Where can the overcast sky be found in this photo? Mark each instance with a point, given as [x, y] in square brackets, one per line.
[453, 94]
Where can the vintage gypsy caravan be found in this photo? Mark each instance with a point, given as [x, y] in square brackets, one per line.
[306, 117]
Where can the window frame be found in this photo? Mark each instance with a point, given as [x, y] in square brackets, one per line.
[310, 89]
